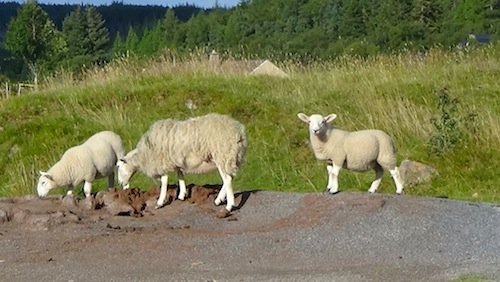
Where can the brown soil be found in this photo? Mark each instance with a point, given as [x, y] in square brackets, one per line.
[118, 235]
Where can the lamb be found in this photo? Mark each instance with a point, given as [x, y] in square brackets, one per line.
[357, 151]
[95, 158]
[197, 145]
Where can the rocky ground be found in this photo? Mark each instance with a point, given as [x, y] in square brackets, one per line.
[119, 236]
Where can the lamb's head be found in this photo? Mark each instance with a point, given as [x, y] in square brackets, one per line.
[45, 184]
[318, 124]
[126, 169]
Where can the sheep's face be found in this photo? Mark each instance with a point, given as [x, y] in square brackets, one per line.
[45, 184]
[317, 123]
[125, 172]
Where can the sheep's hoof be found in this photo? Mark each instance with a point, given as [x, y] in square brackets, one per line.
[159, 206]
[181, 198]
[332, 192]
[223, 213]
[217, 202]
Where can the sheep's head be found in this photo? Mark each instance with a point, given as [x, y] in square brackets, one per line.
[45, 184]
[317, 123]
[125, 169]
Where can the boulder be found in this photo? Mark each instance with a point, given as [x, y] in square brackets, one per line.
[414, 173]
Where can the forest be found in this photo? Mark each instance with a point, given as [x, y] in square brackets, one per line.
[74, 37]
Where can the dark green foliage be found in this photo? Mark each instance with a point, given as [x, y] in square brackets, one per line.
[31, 35]
[87, 38]
[449, 126]
[280, 29]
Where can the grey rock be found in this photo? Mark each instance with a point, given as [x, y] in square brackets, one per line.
[414, 173]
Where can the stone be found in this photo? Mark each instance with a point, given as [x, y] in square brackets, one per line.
[414, 173]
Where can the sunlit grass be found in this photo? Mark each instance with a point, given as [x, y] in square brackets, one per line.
[396, 93]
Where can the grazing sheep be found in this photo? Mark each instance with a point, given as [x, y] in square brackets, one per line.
[192, 146]
[96, 158]
[358, 151]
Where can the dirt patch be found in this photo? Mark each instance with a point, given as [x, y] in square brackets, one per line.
[268, 236]
[42, 214]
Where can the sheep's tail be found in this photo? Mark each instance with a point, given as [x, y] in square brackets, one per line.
[241, 149]
[236, 157]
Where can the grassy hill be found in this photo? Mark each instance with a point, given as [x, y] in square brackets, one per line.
[398, 94]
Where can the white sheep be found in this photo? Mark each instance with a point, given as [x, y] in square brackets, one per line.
[357, 151]
[191, 146]
[95, 158]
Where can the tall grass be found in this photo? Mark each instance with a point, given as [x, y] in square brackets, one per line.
[396, 93]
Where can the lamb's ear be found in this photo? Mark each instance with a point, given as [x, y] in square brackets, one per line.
[303, 117]
[329, 118]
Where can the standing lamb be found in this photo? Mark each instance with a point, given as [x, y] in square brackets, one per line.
[358, 151]
[96, 158]
[193, 146]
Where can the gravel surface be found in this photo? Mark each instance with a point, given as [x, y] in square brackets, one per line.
[272, 236]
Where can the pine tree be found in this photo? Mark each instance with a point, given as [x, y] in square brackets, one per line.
[97, 34]
[169, 26]
[119, 48]
[75, 33]
[131, 42]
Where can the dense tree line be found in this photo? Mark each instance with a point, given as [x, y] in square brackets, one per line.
[301, 29]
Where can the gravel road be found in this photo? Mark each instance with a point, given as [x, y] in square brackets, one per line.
[272, 236]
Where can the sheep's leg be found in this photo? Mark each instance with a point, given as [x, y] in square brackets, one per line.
[182, 186]
[379, 172]
[87, 188]
[228, 190]
[397, 180]
[333, 177]
[111, 180]
[163, 191]
[221, 196]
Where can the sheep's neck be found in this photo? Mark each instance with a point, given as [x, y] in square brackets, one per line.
[318, 143]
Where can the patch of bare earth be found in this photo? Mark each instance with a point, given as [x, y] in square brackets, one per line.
[120, 235]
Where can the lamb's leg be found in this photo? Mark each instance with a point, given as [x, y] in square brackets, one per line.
[379, 172]
[182, 186]
[87, 188]
[163, 191]
[333, 177]
[397, 180]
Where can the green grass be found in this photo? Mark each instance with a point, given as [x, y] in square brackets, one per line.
[394, 93]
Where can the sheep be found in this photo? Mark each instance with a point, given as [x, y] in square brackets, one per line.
[357, 151]
[193, 146]
[95, 158]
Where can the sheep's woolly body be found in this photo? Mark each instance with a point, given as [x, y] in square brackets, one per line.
[95, 158]
[357, 151]
[192, 146]
[195, 146]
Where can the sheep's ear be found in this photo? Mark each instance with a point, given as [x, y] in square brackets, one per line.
[329, 118]
[303, 117]
[121, 162]
[46, 175]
